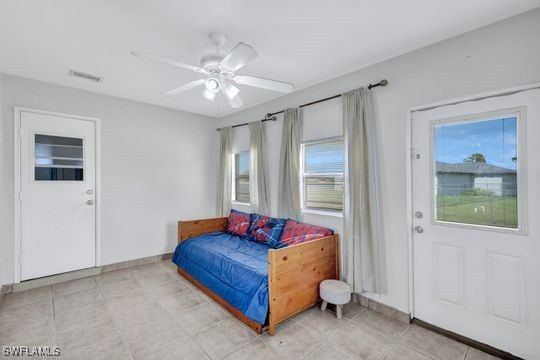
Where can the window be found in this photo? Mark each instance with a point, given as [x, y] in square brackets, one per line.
[322, 175]
[241, 177]
[58, 158]
[476, 171]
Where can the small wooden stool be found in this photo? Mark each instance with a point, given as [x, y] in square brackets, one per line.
[335, 292]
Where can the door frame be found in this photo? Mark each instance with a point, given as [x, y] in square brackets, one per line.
[409, 167]
[17, 110]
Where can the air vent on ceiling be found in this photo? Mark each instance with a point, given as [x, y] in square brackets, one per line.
[86, 76]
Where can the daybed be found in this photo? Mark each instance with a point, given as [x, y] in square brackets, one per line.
[261, 285]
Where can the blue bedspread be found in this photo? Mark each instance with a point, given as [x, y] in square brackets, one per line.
[233, 268]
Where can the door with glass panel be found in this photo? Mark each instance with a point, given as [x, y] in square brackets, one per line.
[57, 197]
[476, 204]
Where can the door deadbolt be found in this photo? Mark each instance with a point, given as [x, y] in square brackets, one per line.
[90, 192]
[418, 215]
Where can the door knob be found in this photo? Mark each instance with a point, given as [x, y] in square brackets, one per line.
[419, 229]
[90, 202]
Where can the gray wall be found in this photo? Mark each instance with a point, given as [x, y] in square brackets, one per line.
[453, 183]
[158, 166]
[499, 56]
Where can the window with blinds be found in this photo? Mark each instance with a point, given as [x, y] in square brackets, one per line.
[322, 175]
[241, 177]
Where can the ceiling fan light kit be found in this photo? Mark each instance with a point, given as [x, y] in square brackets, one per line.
[212, 84]
[220, 71]
[208, 95]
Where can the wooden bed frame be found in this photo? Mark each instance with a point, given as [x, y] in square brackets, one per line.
[294, 273]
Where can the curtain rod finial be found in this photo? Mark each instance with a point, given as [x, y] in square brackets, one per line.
[382, 83]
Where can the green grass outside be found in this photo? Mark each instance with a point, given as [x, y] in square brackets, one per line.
[497, 210]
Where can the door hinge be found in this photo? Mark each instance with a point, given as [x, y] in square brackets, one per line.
[20, 195]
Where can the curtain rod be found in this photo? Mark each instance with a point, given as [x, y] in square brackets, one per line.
[272, 116]
[382, 83]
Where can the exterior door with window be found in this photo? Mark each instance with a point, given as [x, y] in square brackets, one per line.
[57, 194]
[476, 202]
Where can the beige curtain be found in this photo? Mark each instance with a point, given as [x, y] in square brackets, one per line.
[258, 188]
[289, 166]
[362, 250]
[225, 172]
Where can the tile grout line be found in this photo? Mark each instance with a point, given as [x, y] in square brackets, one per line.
[171, 317]
[178, 325]
[73, 310]
[54, 317]
[311, 352]
[466, 353]
[348, 320]
[112, 318]
[406, 347]
[395, 339]
[425, 354]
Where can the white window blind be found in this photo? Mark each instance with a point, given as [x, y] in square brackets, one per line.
[323, 175]
[241, 177]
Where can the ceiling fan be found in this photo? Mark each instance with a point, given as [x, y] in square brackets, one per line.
[220, 71]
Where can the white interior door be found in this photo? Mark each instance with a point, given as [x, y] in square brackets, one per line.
[476, 203]
[57, 198]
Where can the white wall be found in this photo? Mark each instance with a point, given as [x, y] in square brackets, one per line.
[502, 55]
[158, 165]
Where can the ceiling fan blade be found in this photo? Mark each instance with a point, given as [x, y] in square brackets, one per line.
[189, 85]
[167, 61]
[238, 57]
[235, 102]
[230, 90]
[275, 85]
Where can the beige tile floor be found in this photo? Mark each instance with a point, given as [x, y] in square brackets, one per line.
[151, 312]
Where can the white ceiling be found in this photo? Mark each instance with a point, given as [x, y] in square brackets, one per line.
[301, 41]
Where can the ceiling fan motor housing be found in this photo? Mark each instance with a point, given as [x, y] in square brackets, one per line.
[211, 61]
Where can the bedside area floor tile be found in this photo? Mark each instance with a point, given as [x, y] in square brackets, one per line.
[151, 312]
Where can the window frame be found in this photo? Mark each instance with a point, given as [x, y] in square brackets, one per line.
[521, 171]
[303, 175]
[233, 180]
[34, 134]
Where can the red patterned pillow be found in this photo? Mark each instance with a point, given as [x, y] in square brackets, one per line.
[296, 232]
[238, 223]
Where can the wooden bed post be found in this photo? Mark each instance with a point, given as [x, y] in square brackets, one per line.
[337, 256]
[271, 299]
